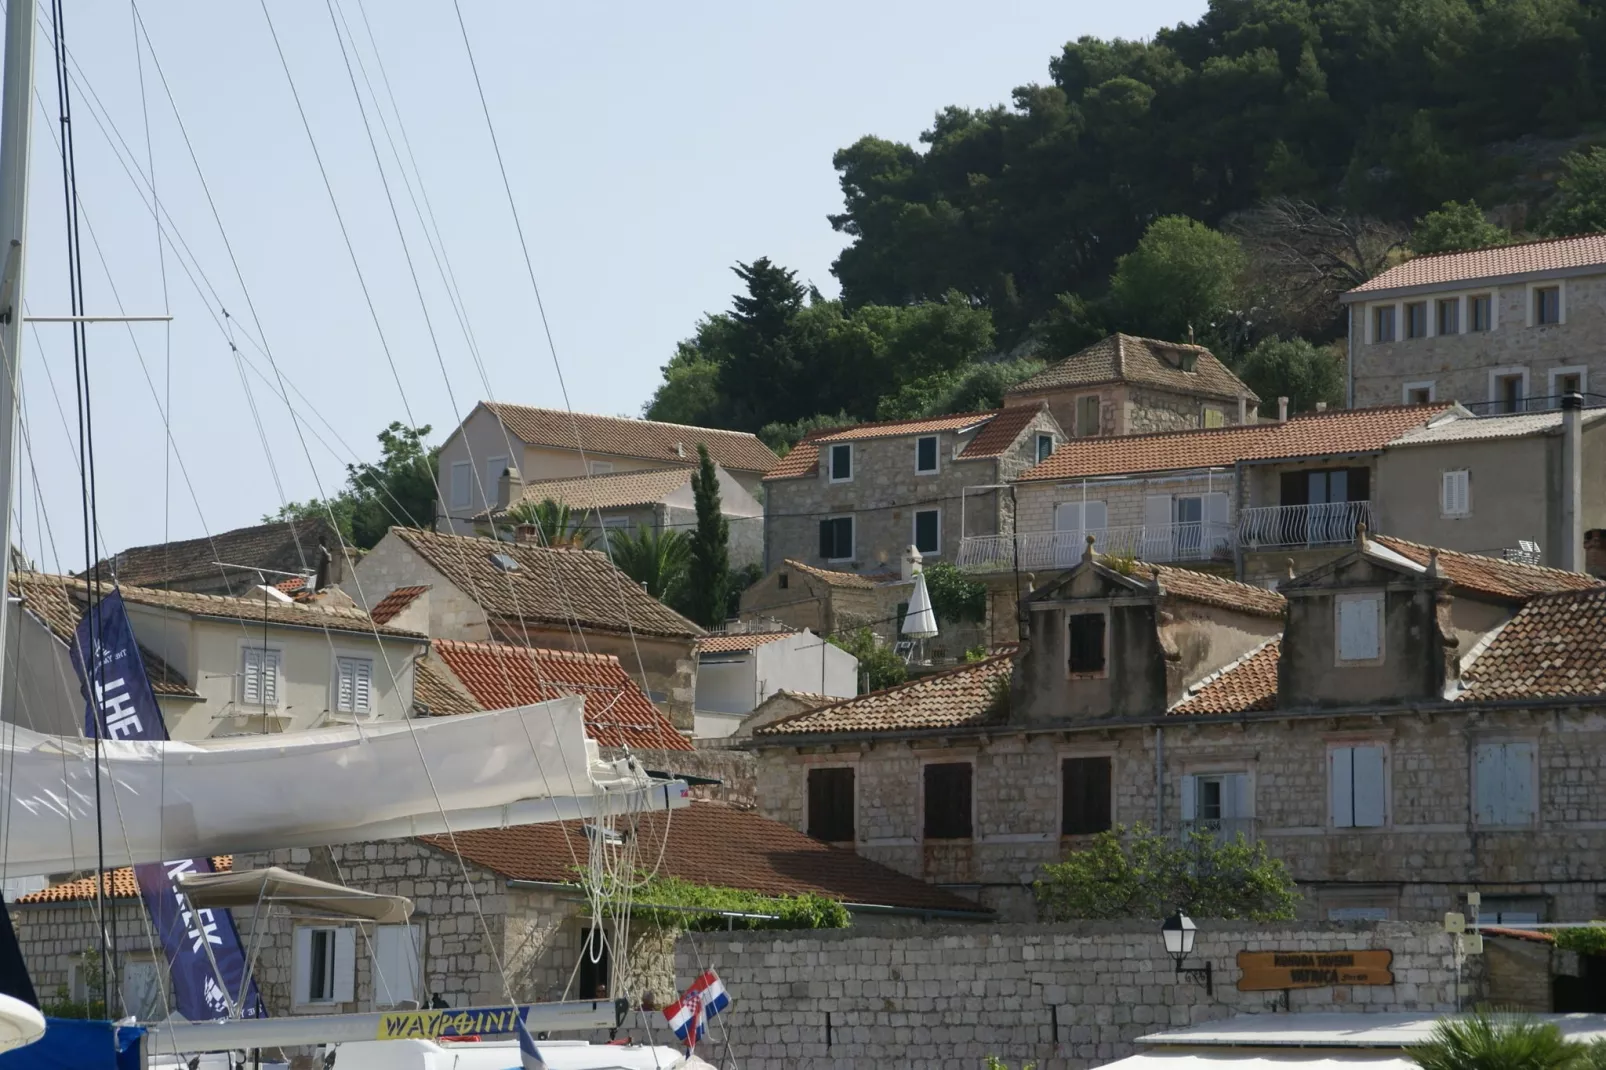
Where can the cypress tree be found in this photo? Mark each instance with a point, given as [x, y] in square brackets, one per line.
[708, 577]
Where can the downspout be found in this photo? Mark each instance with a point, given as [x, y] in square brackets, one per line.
[1572, 483]
[1159, 778]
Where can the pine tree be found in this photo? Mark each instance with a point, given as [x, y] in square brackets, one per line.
[709, 574]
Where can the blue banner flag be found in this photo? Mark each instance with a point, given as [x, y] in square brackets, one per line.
[121, 705]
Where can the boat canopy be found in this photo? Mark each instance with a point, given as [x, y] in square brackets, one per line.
[300, 895]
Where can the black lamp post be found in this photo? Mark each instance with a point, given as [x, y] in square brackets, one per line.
[1178, 932]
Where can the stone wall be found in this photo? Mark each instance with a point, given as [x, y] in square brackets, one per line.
[736, 770]
[1149, 410]
[1063, 996]
[392, 564]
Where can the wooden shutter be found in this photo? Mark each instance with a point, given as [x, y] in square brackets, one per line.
[1357, 629]
[251, 676]
[1489, 785]
[345, 964]
[1518, 783]
[301, 972]
[270, 678]
[1455, 493]
[948, 787]
[1341, 775]
[1237, 796]
[1190, 797]
[1095, 516]
[1085, 792]
[1068, 516]
[831, 816]
[1371, 797]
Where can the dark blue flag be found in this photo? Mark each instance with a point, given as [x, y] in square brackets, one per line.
[124, 707]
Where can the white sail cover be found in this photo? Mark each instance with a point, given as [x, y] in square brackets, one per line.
[170, 800]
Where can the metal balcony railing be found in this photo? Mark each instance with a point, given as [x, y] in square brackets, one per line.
[1160, 544]
[1286, 526]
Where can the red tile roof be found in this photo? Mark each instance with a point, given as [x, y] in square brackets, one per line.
[608, 491]
[1125, 358]
[1552, 647]
[1501, 261]
[720, 644]
[1248, 684]
[1492, 576]
[1218, 591]
[396, 601]
[710, 843]
[1310, 434]
[970, 696]
[120, 885]
[837, 579]
[804, 458]
[617, 712]
[48, 599]
[620, 436]
[1002, 430]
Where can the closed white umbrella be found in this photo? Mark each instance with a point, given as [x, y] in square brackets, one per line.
[920, 622]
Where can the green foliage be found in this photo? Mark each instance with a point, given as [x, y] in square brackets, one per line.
[93, 1007]
[1183, 277]
[556, 524]
[995, 1063]
[398, 489]
[788, 912]
[1123, 561]
[1295, 369]
[970, 388]
[782, 437]
[708, 572]
[655, 558]
[879, 666]
[1588, 940]
[1454, 226]
[975, 654]
[1498, 1041]
[740, 580]
[954, 595]
[1148, 874]
[1580, 206]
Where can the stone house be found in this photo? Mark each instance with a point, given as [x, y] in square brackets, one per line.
[218, 665]
[1131, 386]
[551, 444]
[855, 499]
[236, 562]
[536, 596]
[738, 672]
[827, 601]
[1399, 726]
[626, 502]
[1507, 329]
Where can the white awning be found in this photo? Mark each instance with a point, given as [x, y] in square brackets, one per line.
[1263, 1059]
[279, 887]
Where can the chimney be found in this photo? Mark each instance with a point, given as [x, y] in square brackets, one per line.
[527, 533]
[509, 487]
[913, 563]
[1243, 408]
[1321, 406]
[321, 579]
[1282, 410]
[1572, 483]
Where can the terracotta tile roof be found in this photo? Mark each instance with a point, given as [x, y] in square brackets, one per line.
[610, 491]
[436, 692]
[1502, 261]
[191, 564]
[1248, 684]
[1491, 576]
[1001, 431]
[292, 585]
[960, 698]
[47, 599]
[1124, 358]
[710, 843]
[1306, 435]
[617, 712]
[804, 458]
[620, 436]
[1454, 427]
[253, 611]
[548, 586]
[116, 884]
[396, 601]
[1551, 647]
[720, 644]
[836, 579]
[1218, 591]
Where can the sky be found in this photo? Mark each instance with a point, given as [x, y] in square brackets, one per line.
[648, 148]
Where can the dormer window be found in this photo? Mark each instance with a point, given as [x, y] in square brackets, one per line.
[1085, 638]
[841, 462]
[1045, 447]
[926, 455]
[1358, 621]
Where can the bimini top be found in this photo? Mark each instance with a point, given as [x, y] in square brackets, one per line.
[302, 895]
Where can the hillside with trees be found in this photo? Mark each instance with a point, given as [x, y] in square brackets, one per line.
[1226, 179]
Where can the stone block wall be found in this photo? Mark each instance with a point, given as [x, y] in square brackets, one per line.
[736, 770]
[1063, 996]
[1149, 410]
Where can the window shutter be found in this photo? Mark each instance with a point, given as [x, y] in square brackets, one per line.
[302, 970]
[1371, 799]
[363, 686]
[1490, 788]
[1237, 799]
[1518, 783]
[1456, 493]
[270, 678]
[1095, 516]
[1157, 511]
[345, 685]
[1357, 629]
[825, 539]
[1068, 516]
[1341, 762]
[345, 964]
[1190, 796]
[251, 677]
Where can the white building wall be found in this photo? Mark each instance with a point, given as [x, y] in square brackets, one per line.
[805, 662]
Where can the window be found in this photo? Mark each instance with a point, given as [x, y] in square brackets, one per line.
[600, 468]
[494, 466]
[1449, 320]
[1326, 486]
[842, 462]
[354, 685]
[1357, 785]
[831, 804]
[1359, 632]
[1084, 796]
[1508, 389]
[1218, 802]
[926, 454]
[593, 965]
[948, 800]
[928, 531]
[1480, 313]
[1214, 417]
[462, 484]
[1383, 323]
[1418, 393]
[783, 581]
[1086, 642]
[1045, 447]
[1547, 305]
[1416, 319]
[259, 676]
[836, 538]
[1513, 910]
[1565, 381]
[323, 968]
[1089, 416]
[396, 973]
[1455, 496]
[1504, 785]
[142, 989]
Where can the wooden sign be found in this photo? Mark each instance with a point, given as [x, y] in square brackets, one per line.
[1271, 971]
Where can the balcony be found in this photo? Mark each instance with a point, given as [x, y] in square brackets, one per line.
[1160, 545]
[1301, 526]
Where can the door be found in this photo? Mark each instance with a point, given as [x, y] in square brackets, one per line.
[1157, 518]
[1073, 523]
[1188, 529]
[1217, 534]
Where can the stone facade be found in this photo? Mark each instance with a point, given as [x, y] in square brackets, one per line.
[1129, 409]
[1063, 996]
[1464, 366]
[801, 599]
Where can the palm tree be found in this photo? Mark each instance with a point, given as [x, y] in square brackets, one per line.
[556, 525]
[1498, 1041]
[656, 559]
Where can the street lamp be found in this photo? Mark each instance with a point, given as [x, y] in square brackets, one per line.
[1178, 932]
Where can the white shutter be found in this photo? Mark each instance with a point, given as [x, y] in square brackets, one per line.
[1095, 516]
[1341, 771]
[1157, 511]
[1357, 629]
[1371, 797]
[345, 964]
[395, 964]
[270, 678]
[1215, 515]
[1190, 797]
[1455, 494]
[1488, 784]
[363, 686]
[301, 972]
[1068, 516]
[1518, 783]
[251, 676]
[462, 482]
[1237, 798]
[345, 673]
[1157, 517]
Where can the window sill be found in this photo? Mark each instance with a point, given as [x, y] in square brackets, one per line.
[1101, 674]
[947, 840]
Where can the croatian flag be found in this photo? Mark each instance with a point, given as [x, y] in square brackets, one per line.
[529, 1057]
[688, 1016]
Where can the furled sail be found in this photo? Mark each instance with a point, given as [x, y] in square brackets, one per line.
[167, 800]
